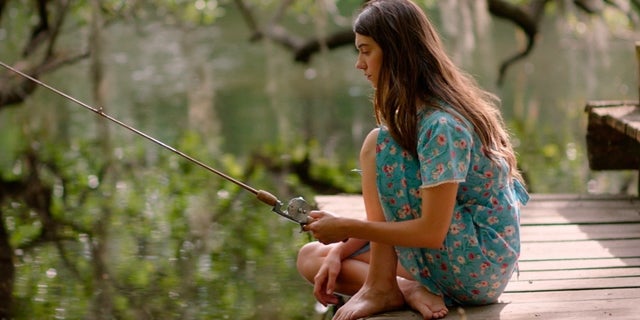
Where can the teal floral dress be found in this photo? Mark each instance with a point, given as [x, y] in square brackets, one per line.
[481, 249]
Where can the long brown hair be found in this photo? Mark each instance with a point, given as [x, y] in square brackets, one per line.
[416, 69]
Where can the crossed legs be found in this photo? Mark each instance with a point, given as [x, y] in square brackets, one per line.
[388, 288]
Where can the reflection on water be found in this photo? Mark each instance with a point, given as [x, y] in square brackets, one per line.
[159, 238]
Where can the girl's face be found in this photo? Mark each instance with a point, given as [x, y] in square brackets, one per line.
[369, 58]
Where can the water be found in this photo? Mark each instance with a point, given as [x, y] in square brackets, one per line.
[157, 237]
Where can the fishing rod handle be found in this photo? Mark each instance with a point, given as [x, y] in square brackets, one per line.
[267, 198]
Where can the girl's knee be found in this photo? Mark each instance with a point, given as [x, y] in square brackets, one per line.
[309, 259]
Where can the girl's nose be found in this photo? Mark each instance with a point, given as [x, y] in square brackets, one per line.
[360, 64]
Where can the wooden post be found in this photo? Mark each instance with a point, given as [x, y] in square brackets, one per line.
[638, 61]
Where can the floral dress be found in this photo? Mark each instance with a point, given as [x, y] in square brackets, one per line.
[481, 249]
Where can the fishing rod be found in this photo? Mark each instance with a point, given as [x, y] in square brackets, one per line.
[297, 210]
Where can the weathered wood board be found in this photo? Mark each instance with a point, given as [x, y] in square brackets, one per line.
[580, 259]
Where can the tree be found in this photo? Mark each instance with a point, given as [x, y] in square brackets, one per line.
[36, 50]
[525, 15]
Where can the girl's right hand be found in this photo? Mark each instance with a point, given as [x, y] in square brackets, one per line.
[324, 282]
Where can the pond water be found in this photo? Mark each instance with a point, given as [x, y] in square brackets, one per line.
[162, 238]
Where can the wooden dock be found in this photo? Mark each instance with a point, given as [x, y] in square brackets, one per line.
[580, 259]
[613, 135]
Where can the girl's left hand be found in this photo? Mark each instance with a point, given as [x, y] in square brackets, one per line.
[326, 227]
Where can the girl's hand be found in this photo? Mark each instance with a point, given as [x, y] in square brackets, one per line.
[326, 228]
[324, 282]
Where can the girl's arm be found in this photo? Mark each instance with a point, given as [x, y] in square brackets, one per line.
[428, 231]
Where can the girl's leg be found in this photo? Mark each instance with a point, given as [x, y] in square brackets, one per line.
[353, 271]
[380, 291]
[353, 275]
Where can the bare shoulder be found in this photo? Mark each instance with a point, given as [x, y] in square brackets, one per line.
[370, 141]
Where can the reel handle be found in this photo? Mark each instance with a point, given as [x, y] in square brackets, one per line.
[267, 198]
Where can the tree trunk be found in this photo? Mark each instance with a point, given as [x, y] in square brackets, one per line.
[7, 271]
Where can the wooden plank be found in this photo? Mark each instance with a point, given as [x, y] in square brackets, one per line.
[624, 118]
[564, 232]
[604, 263]
[587, 304]
[580, 249]
[580, 260]
[555, 274]
[613, 135]
[587, 216]
[573, 284]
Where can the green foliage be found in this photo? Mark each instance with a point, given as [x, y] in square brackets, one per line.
[173, 240]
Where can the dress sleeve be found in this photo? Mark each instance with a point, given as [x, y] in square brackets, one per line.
[444, 149]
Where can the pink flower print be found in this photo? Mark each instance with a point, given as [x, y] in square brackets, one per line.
[442, 139]
[404, 211]
[454, 229]
[403, 182]
[482, 284]
[461, 166]
[488, 174]
[393, 150]
[471, 256]
[462, 144]
[510, 230]
[444, 267]
[457, 244]
[405, 154]
[461, 260]
[493, 220]
[473, 275]
[475, 167]
[424, 273]
[475, 292]
[388, 170]
[455, 269]
[438, 171]
[429, 134]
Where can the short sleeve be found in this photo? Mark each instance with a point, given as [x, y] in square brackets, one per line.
[444, 149]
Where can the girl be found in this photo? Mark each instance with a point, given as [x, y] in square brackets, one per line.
[439, 182]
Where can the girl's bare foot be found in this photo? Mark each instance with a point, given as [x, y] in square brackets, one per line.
[370, 301]
[429, 305]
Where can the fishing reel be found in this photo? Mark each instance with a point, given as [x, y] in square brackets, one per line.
[297, 210]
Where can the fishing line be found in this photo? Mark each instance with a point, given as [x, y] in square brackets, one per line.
[297, 208]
